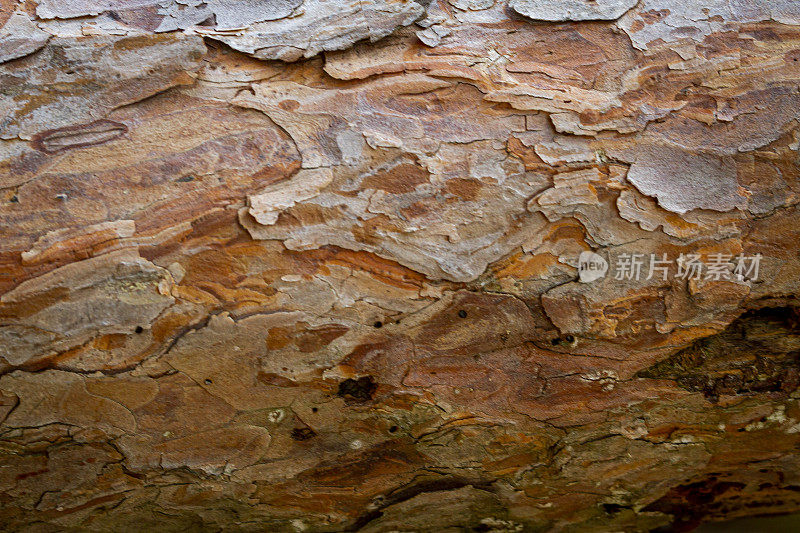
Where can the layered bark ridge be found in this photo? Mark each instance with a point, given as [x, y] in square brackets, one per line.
[308, 265]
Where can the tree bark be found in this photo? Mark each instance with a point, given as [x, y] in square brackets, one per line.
[466, 265]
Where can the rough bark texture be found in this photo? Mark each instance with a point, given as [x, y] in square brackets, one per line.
[311, 265]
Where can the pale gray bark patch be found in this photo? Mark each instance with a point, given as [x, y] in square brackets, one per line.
[683, 181]
[664, 20]
[20, 37]
[572, 9]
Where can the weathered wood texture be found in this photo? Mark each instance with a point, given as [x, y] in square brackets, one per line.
[312, 265]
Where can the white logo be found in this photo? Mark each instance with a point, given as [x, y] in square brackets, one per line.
[591, 267]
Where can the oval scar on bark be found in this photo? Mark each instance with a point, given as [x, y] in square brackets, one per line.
[67, 138]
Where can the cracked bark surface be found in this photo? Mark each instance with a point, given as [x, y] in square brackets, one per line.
[312, 265]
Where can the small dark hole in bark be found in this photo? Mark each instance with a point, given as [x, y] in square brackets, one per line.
[555, 342]
[378, 324]
[139, 329]
[14, 199]
[360, 389]
[462, 314]
[393, 429]
[569, 338]
[207, 381]
[612, 508]
[302, 433]
[314, 409]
